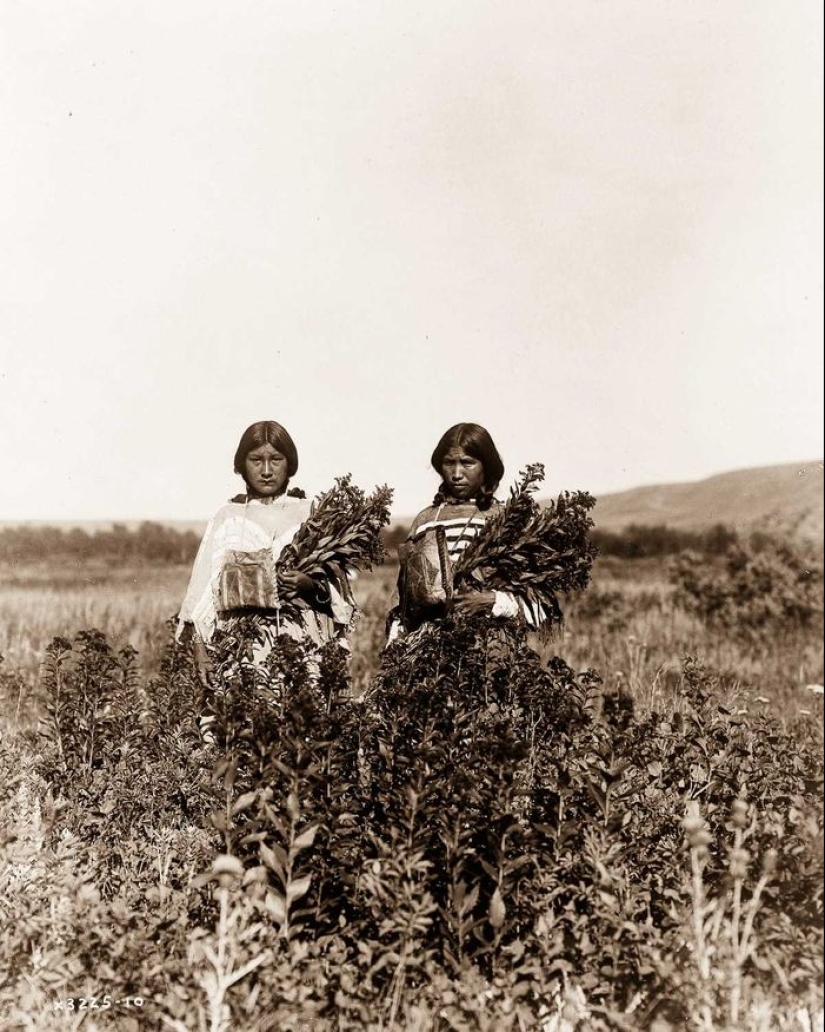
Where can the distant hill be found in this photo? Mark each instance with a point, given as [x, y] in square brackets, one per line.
[787, 499]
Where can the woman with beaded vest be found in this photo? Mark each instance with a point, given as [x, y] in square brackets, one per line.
[471, 469]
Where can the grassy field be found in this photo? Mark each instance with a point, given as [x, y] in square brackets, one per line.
[626, 626]
[131, 606]
[105, 885]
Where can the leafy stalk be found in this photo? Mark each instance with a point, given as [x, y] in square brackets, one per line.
[341, 533]
[538, 552]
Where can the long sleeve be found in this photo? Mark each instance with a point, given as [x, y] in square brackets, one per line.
[198, 607]
[509, 606]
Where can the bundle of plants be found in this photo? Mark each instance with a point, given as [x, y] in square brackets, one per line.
[341, 534]
[538, 552]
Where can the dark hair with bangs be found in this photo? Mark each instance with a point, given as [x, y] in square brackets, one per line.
[266, 432]
[477, 443]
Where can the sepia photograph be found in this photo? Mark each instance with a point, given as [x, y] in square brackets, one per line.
[411, 516]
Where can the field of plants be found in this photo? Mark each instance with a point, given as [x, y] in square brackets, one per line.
[619, 828]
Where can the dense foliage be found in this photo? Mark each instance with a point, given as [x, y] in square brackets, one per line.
[757, 587]
[480, 842]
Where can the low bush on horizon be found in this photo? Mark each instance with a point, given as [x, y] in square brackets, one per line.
[149, 543]
[759, 587]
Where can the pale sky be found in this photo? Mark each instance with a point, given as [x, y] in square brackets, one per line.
[593, 226]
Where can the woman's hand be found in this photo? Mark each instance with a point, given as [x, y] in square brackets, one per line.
[293, 583]
[471, 602]
[203, 662]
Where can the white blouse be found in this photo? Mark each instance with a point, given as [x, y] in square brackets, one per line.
[250, 526]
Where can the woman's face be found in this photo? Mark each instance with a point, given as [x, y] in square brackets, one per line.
[463, 475]
[265, 471]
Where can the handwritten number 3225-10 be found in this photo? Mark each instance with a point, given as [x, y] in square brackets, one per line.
[96, 1003]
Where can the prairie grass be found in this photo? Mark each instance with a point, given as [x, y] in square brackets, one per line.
[131, 606]
[626, 626]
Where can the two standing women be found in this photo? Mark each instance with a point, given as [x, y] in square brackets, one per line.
[247, 535]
